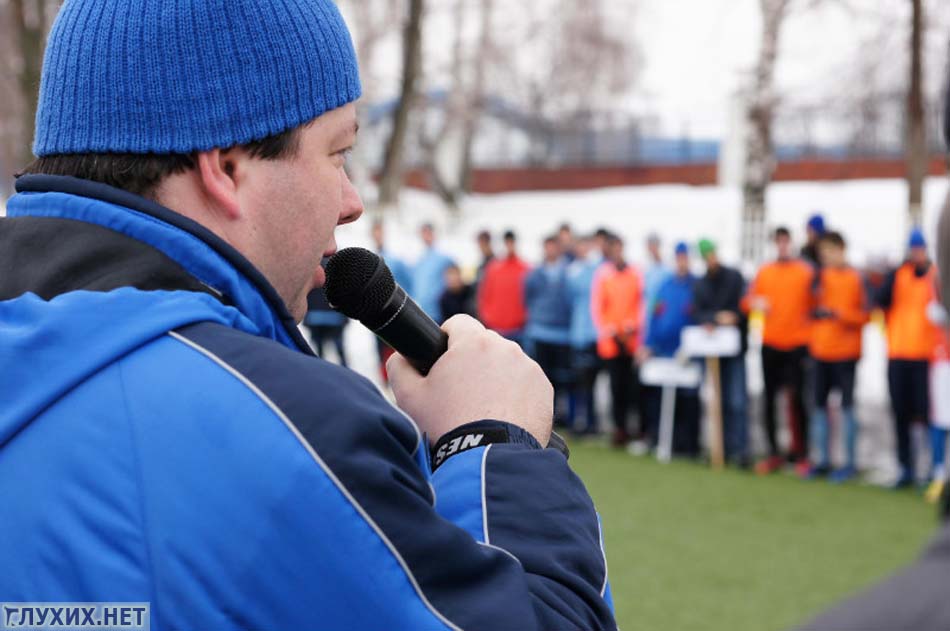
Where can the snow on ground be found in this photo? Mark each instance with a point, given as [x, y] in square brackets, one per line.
[869, 212]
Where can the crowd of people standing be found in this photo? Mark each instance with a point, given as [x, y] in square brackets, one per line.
[585, 308]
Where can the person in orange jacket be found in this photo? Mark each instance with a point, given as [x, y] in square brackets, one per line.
[782, 292]
[911, 340]
[501, 305]
[616, 305]
[841, 311]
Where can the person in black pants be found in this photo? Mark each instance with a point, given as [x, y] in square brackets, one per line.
[325, 325]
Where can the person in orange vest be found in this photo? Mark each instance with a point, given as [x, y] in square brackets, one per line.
[911, 339]
[841, 311]
[782, 292]
[500, 300]
[616, 305]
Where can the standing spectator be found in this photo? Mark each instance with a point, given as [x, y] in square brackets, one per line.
[911, 340]
[617, 309]
[549, 321]
[813, 230]
[654, 276]
[672, 312]
[487, 253]
[566, 241]
[402, 274]
[841, 311]
[585, 363]
[501, 294]
[428, 274]
[717, 300]
[325, 324]
[458, 297]
[601, 242]
[940, 408]
[782, 293]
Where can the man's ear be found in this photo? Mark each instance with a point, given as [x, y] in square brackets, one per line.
[217, 171]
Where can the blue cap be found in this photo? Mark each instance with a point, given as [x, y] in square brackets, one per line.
[917, 239]
[178, 76]
[682, 248]
[817, 223]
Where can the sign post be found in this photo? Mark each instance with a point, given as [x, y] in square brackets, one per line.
[669, 374]
[712, 344]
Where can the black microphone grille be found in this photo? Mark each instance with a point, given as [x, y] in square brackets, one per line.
[358, 283]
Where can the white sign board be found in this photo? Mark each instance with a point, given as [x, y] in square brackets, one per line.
[722, 341]
[660, 371]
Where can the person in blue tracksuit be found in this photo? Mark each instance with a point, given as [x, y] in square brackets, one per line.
[672, 312]
[548, 329]
[166, 434]
[428, 274]
[585, 362]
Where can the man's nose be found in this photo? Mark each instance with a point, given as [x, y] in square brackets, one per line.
[352, 202]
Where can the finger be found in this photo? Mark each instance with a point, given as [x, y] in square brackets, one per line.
[402, 375]
[460, 327]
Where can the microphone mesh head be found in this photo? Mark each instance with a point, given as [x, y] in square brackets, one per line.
[359, 284]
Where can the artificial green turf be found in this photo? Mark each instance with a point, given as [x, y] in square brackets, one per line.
[689, 548]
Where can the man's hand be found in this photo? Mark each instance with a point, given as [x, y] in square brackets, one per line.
[481, 376]
[760, 303]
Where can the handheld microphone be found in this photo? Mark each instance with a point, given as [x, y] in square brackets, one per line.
[361, 286]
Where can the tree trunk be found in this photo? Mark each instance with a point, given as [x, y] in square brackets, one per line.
[390, 180]
[916, 148]
[760, 157]
[29, 23]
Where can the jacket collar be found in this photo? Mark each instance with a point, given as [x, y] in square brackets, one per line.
[207, 259]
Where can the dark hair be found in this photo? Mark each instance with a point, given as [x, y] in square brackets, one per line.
[782, 231]
[551, 239]
[141, 174]
[833, 238]
[565, 227]
[602, 233]
[484, 235]
[510, 235]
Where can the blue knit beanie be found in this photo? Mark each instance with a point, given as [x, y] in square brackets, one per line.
[917, 239]
[817, 223]
[682, 248]
[177, 76]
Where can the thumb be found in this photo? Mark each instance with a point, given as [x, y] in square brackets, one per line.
[403, 377]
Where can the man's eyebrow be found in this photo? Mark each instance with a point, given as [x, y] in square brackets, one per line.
[344, 134]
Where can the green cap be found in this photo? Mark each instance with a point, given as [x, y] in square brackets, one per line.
[706, 247]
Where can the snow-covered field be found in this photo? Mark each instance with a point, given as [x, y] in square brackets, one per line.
[869, 212]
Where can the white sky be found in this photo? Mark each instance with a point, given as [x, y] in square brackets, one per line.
[695, 53]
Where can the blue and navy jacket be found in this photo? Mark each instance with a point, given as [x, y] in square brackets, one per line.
[580, 284]
[547, 299]
[166, 436]
[428, 281]
[672, 311]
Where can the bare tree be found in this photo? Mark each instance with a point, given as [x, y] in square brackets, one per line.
[391, 175]
[30, 26]
[448, 153]
[916, 139]
[760, 155]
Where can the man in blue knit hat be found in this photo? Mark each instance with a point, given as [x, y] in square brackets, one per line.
[166, 436]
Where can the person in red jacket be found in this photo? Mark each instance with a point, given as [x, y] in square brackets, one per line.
[841, 311]
[911, 340]
[501, 305]
[617, 300]
[781, 291]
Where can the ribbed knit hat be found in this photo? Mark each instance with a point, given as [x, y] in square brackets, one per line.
[177, 76]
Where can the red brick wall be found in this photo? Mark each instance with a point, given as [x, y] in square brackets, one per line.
[578, 178]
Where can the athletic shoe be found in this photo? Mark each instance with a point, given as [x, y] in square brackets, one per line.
[619, 439]
[803, 469]
[638, 448]
[901, 483]
[842, 475]
[770, 465]
[934, 491]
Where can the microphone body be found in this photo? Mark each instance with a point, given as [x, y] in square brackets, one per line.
[361, 286]
[411, 332]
